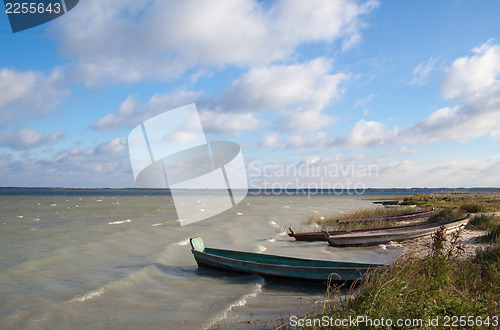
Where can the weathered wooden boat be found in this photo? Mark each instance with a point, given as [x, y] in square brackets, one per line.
[396, 234]
[319, 236]
[388, 202]
[277, 266]
[402, 217]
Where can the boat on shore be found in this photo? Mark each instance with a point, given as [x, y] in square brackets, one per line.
[395, 234]
[319, 236]
[401, 217]
[277, 266]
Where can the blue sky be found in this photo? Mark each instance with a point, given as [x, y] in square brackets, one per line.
[411, 89]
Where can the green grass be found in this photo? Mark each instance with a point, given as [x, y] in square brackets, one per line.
[471, 203]
[438, 285]
[444, 215]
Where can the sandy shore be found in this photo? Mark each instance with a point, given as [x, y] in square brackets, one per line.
[469, 241]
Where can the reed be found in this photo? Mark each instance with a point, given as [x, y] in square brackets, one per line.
[332, 220]
[439, 285]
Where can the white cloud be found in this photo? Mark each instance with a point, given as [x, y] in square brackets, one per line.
[422, 73]
[114, 146]
[296, 94]
[166, 38]
[473, 83]
[470, 77]
[367, 134]
[131, 113]
[27, 138]
[315, 141]
[282, 86]
[305, 120]
[106, 165]
[229, 122]
[28, 94]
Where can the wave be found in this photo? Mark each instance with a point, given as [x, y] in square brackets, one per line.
[119, 222]
[242, 301]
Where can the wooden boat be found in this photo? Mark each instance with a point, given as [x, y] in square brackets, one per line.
[388, 202]
[277, 266]
[396, 234]
[319, 236]
[402, 217]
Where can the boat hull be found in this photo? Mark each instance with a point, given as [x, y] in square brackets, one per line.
[279, 266]
[384, 236]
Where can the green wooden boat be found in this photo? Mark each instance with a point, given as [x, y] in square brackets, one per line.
[277, 266]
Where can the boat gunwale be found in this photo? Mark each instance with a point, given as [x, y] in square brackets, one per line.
[361, 265]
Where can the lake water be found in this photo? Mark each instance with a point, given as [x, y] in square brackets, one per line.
[123, 262]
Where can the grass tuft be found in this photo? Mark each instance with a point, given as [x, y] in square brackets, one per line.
[438, 285]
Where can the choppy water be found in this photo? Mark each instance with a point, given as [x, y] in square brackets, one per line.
[123, 261]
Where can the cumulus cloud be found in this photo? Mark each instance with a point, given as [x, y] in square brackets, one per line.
[131, 113]
[112, 147]
[367, 134]
[106, 165]
[167, 38]
[27, 138]
[281, 86]
[316, 141]
[473, 76]
[472, 83]
[296, 95]
[28, 94]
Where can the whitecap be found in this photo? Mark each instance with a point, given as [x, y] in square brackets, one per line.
[271, 240]
[202, 210]
[36, 219]
[260, 249]
[183, 242]
[53, 204]
[157, 224]
[91, 295]
[20, 216]
[239, 303]
[119, 222]
[239, 213]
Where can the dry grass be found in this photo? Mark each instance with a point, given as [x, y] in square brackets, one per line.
[439, 285]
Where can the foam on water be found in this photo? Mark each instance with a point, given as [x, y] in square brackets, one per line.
[237, 304]
[183, 242]
[91, 295]
[119, 222]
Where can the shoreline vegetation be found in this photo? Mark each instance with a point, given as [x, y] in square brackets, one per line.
[439, 285]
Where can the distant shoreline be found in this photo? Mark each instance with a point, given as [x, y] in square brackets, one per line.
[12, 191]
